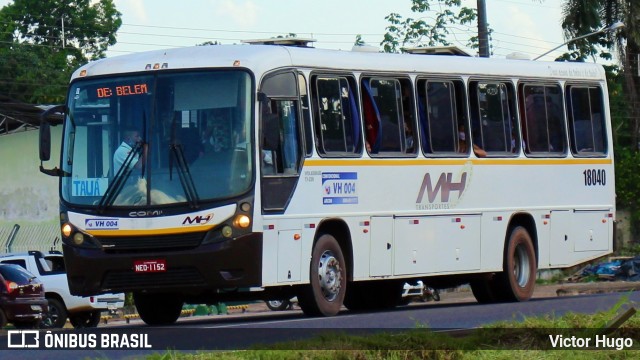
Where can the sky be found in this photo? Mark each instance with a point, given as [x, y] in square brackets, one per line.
[530, 27]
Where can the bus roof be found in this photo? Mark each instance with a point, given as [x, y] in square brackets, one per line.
[263, 58]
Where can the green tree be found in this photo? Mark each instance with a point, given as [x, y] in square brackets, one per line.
[425, 30]
[41, 42]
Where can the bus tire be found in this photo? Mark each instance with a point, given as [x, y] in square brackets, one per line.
[85, 319]
[518, 279]
[158, 309]
[484, 291]
[327, 287]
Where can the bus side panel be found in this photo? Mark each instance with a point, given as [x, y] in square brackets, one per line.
[494, 228]
[436, 244]
[595, 235]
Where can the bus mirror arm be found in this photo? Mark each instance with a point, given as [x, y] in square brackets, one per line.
[53, 172]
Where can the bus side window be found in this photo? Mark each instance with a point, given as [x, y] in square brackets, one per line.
[493, 125]
[441, 117]
[337, 120]
[388, 116]
[586, 121]
[543, 129]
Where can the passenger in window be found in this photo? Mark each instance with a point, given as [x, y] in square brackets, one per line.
[408, 133]
[462, 140]
[130, 139]
[462, 143]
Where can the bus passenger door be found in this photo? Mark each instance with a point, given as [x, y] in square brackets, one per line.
[280, 155]
[380, 263]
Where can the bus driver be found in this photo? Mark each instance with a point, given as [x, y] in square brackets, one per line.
[129, 140]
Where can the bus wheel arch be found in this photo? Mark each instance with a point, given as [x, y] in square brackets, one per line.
[520, 249]
[526, 221]
[340, 231]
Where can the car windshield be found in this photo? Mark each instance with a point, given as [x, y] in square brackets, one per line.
[161, 138]
[16, 274]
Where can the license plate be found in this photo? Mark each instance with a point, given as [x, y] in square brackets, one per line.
[36, 307]
[150, 266]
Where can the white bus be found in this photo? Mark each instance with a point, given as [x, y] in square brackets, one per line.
[266, 172]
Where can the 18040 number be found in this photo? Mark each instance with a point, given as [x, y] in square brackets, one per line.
[595, 177]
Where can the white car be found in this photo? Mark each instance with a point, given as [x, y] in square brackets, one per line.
[50, 269]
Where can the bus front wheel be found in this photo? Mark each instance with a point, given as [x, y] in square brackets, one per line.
[158, 309]
[328, 279]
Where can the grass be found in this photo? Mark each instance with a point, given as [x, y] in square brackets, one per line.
[526, 340]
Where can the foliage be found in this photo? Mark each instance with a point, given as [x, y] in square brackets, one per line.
[38, 58]
[584, 17]
[425, 30]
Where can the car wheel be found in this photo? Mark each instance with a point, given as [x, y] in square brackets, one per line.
[3, 319]
[56, 315]
[87, 319]
[278, 305]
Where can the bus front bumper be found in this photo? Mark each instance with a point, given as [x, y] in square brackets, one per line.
[228, 264]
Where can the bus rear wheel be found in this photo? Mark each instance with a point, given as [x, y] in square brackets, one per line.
[518, 279]
[158, 309]
[328, 279]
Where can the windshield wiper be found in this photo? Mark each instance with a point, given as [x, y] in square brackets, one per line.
[120, 178]
[183, 173]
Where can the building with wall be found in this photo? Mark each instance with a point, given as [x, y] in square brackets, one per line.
[28, 198]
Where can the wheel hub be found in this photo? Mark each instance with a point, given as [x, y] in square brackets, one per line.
[329, 275]
[521, 266]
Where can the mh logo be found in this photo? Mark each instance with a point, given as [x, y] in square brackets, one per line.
[197, 220]
[444, 186]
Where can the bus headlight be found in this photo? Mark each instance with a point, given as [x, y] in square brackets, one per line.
[66, 230]
[242, 221]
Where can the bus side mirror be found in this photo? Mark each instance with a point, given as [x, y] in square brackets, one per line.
[45, 137]
[45, 141]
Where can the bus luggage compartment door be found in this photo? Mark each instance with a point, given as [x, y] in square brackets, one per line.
[381, 246]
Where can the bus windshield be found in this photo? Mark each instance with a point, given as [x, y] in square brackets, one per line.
[153, 139]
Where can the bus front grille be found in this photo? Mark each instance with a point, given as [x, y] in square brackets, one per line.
[129, 280]
[156, 242]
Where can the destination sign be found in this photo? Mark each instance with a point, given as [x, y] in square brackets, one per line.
[123, 90]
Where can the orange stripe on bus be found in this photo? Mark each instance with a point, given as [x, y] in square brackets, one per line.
[167, 231]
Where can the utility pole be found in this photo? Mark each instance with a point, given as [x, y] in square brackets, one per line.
[483, 33]
[63, 40]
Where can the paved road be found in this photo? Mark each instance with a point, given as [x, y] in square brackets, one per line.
[237, 331]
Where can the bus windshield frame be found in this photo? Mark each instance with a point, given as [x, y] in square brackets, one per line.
[160, 138]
